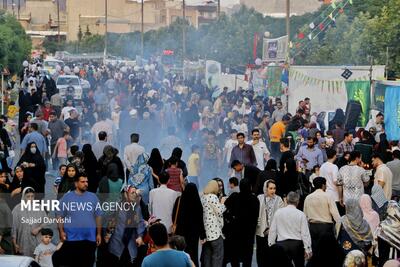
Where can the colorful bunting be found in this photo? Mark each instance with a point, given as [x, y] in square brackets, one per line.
[333, 5]
[312, 25]
[310, 36]
[300, 35]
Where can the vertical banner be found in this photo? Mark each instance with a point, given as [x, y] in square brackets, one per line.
[213, 73]
[274, 50]
[274, 74]
[360, 91]
[258, 82]
[379, 96]
[392, 112]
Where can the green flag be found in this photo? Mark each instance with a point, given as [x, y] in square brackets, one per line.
[274, 74]
[360, 91]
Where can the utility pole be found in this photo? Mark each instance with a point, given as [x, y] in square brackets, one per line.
[288, 45]
[106, 28]
[58, 22]
[288, 19]
[183, 31]
[19, 7]
[142, 31]
[219, 8]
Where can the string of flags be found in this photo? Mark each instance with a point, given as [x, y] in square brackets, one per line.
[331, 85]
[319, 24]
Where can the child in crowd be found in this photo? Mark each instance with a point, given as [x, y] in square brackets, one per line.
[12, 110]
[61, 171]
[178, 242]
[44, 251]
[329, 139]
[194, 166]
[233, 185]
[314, 173]
[61, 148]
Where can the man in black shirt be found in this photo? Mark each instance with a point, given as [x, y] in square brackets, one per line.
[74, 124]
[286, 153]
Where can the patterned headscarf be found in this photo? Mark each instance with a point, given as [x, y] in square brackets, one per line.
[390, 227]
[356, 227]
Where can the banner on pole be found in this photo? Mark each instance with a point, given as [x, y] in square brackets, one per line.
[360, 91]
[274, 50]
[213, 73]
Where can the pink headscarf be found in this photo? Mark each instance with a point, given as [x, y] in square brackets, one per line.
[371, 216]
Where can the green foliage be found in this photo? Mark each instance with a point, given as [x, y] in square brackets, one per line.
[15, 45]
[365, 29]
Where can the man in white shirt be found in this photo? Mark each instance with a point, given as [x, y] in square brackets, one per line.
[330, 172]
[132, 151]
[162, 201]
[260, 148]
[289, 229]
[229, 145]
[98, 147]
[320, 210]
[105, 125]
[65, 111]
[383, 175]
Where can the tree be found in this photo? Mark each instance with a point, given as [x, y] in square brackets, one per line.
[87, 32]
[15, 45]
[80, 34]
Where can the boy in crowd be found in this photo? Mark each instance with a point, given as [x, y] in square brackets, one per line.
[61, 172]
[44, 251]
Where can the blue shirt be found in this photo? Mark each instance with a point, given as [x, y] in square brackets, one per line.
[314, 157]
[37, 138]
[82, 211]
[167, 258]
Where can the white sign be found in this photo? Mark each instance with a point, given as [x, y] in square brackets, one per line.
[274, 50]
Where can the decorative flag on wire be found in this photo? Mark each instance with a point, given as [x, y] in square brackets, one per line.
[312, 25]
[310, 36]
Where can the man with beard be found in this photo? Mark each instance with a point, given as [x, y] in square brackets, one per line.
[81, 230]
[310, 155]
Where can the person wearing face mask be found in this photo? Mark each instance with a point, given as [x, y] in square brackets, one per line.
[269, 204]
[34, 168]
[309, 156]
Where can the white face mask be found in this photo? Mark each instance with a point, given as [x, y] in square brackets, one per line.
[33, 150]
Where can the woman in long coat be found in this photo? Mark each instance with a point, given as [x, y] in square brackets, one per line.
[188, 215]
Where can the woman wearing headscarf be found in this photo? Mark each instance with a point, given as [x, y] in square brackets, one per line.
[338, 118]
[110, 185]
[91, 167]
[141, 177]
[177, 153]
[269, 204]
[16, 187]
[355, 232]
[26, 235]
[269, 173]
[371, 216]
[67, 181]
[213, 249]
[288, 182]
[188, 217]
[221, 187]
[34, 168]
[156, 162]
[110, 155]
[389, 233]
[127, 231]
[379, 200]
[240, 229]
[383, 148]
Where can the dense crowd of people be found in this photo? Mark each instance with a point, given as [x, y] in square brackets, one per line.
[215, 174]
